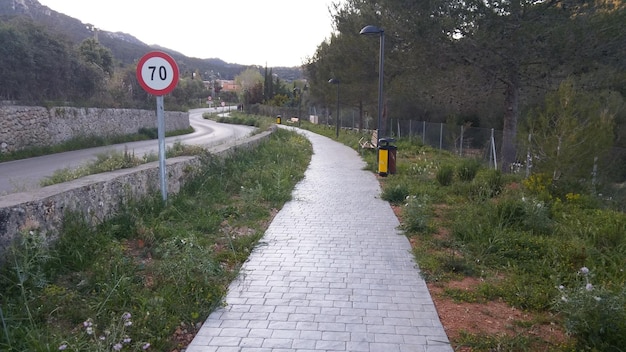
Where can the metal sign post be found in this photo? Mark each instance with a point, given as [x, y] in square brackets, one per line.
[157, 74]
[161, 135]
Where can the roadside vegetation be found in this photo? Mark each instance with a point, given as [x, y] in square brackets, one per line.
[240, 118]
[147, 278]
[88, 142]
[116, 160]
[558, 257]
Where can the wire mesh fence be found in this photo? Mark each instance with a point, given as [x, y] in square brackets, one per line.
[479, 143]
[483, 144]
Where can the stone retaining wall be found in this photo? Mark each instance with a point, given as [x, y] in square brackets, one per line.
[36, 126]
[96, 197]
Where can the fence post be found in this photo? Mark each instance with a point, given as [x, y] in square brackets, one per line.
[529, 159]
[492, 152]
[594, 173]
[461, 144]
[398, 123]
[440, 136]
[424, 132]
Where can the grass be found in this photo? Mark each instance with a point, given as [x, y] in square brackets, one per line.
[240, 118]
[152, 274]
[525, 244]
[116, 160]
[522, 244]
[87, 142]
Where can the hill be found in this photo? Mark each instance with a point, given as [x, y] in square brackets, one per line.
[125, 48]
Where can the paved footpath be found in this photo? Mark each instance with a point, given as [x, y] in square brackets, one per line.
[332, 273]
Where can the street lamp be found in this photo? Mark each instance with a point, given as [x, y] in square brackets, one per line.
[336, 81]
[373, 30]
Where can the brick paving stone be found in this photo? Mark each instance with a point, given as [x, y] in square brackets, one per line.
[332, 273]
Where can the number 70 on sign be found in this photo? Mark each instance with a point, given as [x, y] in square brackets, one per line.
[157, 73]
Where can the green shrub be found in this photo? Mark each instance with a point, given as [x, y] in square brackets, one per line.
[395, 194]
[594, 315]
[150, 133]
[525, 214]
[485, 185]
[467, 169]
[416, 214]
[445, 175]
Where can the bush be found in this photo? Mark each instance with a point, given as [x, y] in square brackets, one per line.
[467, 169]
[485, 185]
[524, 214]
[445, 175]
[594, 315]
[416, 214]
[150, 133]
[395, 194]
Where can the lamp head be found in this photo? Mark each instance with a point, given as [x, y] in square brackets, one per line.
[371, 30]
[333, 81]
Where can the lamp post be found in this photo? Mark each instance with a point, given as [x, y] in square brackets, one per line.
[373, 30]
[336, 81]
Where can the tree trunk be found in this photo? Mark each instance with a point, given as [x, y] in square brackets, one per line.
[511, 114]
[512, 91]
[360, 115]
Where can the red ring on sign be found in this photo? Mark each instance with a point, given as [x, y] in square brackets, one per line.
[157, 54]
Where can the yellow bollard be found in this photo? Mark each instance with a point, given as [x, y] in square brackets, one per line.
[383, 159]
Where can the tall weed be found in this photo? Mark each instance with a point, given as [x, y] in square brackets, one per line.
[445, 175]
[595, 315]
[467, 169]
[395, 193]
[487, 184]
[417, 214]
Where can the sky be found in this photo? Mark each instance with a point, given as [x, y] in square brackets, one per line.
[247, 32]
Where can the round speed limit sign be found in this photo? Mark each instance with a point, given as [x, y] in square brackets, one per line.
[157, 73]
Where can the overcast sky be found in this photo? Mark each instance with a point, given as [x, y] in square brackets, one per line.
[247, 32]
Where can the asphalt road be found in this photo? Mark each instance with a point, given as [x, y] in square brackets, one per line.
[24, 175]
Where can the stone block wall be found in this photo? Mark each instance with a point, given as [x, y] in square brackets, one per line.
[36, 126]
[97, 197]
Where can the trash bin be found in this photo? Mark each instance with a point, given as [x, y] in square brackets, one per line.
[386, 156]
[278, 119]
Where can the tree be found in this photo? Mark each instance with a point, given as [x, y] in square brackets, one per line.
[95, 54]
[268, 85]
[14, 58]
[248, 83]
[571, 131]
[189, 92]
[339, 58]
[38, 65]
[441, 55]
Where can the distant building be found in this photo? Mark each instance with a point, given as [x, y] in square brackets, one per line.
[228, 85]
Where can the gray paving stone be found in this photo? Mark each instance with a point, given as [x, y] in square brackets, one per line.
[277, 343]
[332, 274]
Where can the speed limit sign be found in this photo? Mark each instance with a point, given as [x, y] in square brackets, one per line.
[157, 73]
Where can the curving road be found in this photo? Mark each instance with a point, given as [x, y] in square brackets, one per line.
[24, 175]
